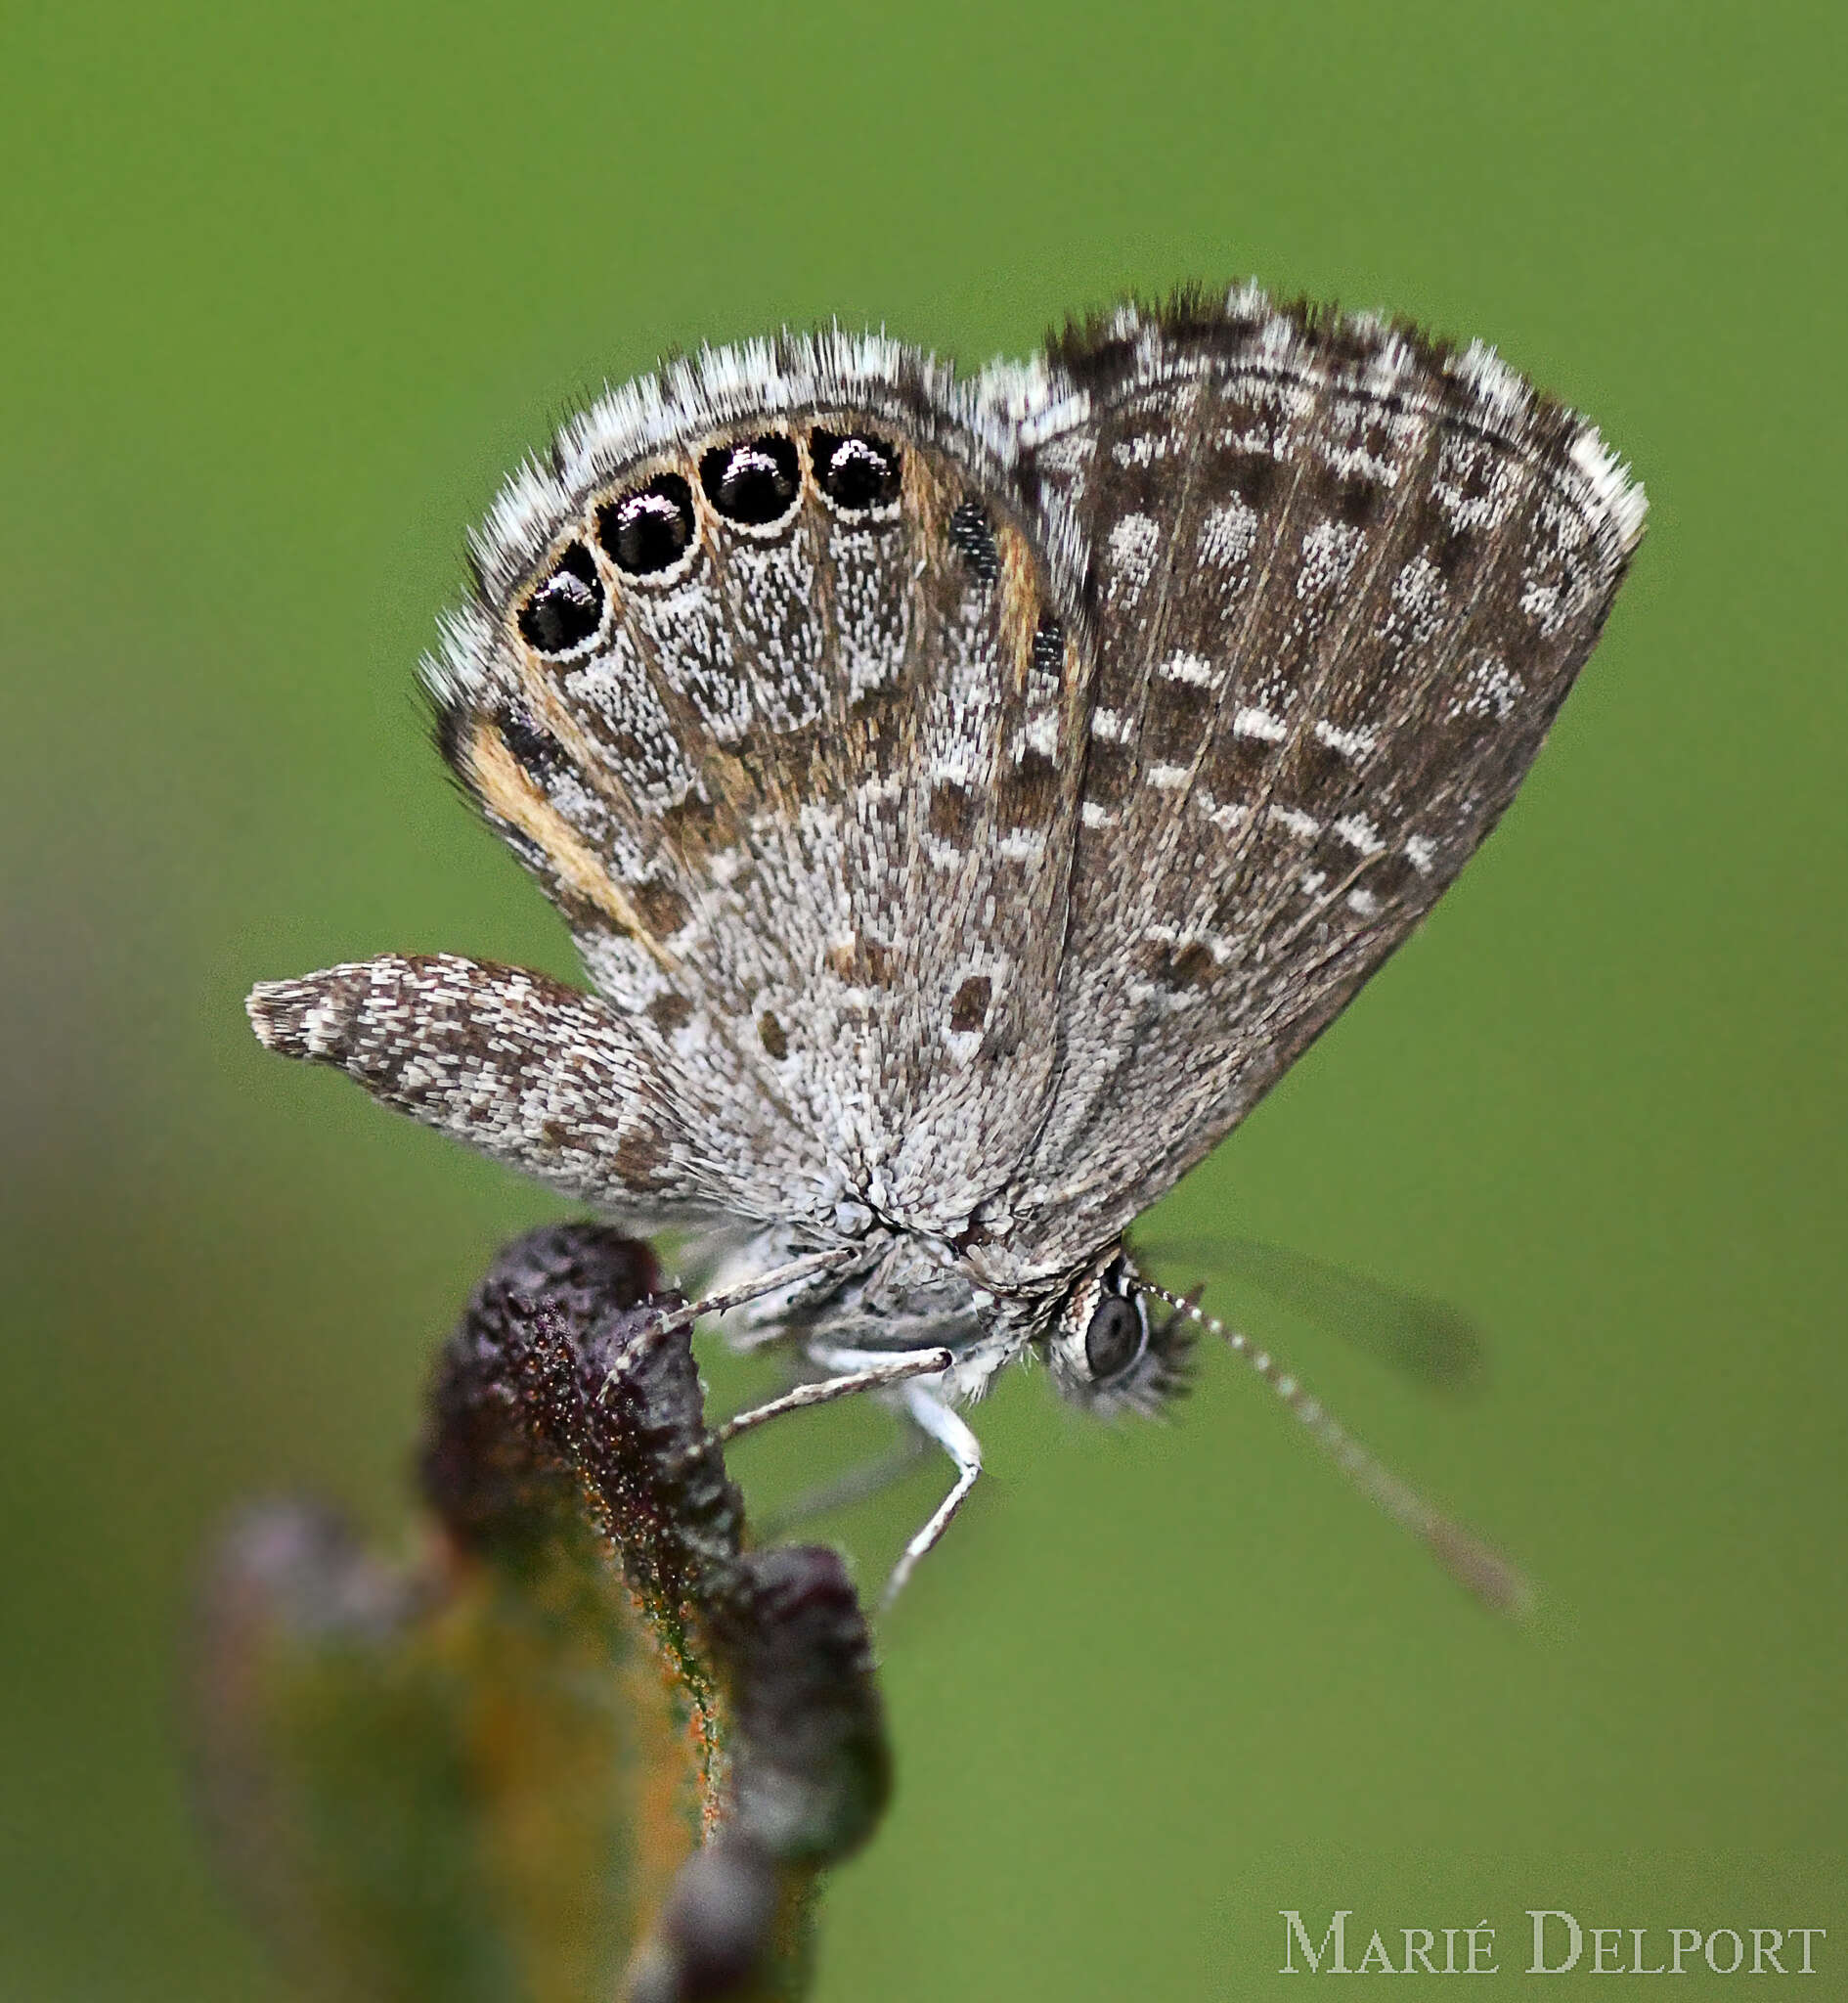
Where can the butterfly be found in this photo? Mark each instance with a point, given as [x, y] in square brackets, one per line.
[969, 795]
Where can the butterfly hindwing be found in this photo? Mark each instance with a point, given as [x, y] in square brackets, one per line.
[765, 683]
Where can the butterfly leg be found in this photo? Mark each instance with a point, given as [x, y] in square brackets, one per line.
[931, 1415]
[876, 1376]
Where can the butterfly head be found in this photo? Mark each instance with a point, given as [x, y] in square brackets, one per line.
[1108, 1352]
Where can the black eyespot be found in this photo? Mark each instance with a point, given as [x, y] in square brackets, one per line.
[853, 470]
[753, 482]
[649, 530]
[974, 535]
[567, 608]
[1114, 1340]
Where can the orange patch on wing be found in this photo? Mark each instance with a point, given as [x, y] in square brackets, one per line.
[924, 500]
[508, 793]
[1020, 601]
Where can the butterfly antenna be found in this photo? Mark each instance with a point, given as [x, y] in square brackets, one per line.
[1467, 1560]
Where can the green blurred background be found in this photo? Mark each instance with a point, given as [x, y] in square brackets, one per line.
[287, 289]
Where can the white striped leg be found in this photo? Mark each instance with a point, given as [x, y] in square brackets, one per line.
[805, 1268]
[668, 1320]
[875, 1376]
[937, 1419]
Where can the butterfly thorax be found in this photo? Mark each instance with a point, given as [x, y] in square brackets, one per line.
[904, 1291]
[908, 1292]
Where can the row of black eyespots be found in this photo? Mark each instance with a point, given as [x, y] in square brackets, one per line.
[753, 482]
[649, 530]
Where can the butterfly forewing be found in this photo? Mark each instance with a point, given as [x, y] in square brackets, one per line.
[1338, 583]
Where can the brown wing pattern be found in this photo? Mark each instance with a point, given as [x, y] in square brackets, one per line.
[800, 769]
[1338, 581]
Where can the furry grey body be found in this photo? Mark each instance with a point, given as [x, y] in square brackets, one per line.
[955, 869]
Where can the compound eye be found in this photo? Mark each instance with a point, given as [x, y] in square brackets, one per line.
[854, 470]
[1115, 1338]
[753, 482]
[567, 608]
[650, 530]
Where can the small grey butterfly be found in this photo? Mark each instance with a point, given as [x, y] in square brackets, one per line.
[969, 796]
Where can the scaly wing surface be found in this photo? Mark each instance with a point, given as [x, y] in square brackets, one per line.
[1336, 580]
[766, 682]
